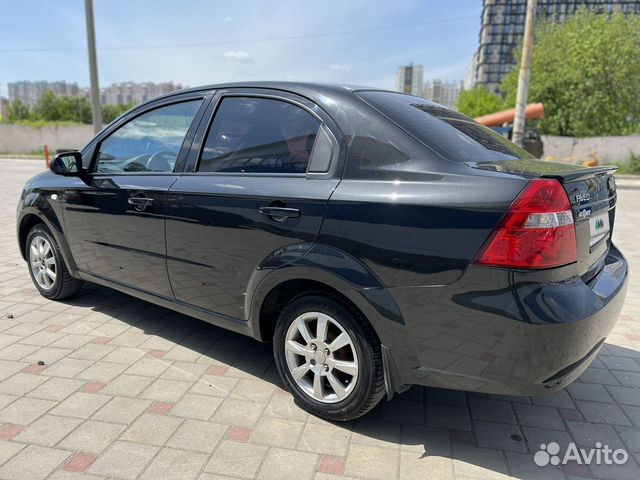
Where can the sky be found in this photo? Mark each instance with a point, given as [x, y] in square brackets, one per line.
[198, 42]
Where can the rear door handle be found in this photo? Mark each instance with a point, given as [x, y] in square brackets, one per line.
[140, 201]
[280, 214]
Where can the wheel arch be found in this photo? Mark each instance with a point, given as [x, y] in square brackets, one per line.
[279, 286]
[278, 297]
[30, 217]
[27, 222]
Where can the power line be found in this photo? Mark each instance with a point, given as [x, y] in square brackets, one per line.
[243, 42]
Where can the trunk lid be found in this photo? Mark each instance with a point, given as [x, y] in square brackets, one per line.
[592, 194]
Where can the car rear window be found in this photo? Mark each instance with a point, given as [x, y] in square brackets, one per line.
[449, 133]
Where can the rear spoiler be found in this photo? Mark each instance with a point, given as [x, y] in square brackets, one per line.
[563, 172]
[582, 174]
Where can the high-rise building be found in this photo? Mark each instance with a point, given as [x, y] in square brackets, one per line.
[4, 108]
[503, 27]
[444, 93]
[470, 75]
[30, 92]
[130, 92]
[409, 79]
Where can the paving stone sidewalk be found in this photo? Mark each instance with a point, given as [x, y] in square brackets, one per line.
[129, 390]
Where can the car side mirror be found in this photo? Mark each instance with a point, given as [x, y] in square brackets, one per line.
[68, 164]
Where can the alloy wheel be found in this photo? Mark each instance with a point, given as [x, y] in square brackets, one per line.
[321, 357]
[43, 262]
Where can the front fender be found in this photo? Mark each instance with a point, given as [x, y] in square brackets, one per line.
[38, 207]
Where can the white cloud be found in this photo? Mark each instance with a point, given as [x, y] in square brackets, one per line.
[228, 19]
[237, 56]
[340, 67]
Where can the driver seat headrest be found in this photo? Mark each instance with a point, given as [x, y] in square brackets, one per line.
[158, 164]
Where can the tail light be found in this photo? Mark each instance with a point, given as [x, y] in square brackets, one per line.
[536, 232]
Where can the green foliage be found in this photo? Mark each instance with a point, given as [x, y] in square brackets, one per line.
[111, 112]
[74, 109]
[47, 107]
[38, 123]
[479, 101]
[632, 167]
[586, 71]
[18, 111]
[52, 109]
[55, 109]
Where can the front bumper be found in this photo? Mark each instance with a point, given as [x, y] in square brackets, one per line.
[502, 332]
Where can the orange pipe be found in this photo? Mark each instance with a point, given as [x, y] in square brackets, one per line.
[534, 111]
[46, 155]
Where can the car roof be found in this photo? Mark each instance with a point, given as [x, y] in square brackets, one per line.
[313, 91]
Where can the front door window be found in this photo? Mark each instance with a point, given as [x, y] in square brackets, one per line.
[148, 143]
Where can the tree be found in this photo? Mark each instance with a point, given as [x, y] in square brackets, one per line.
[47, 107]
[479, 101]
[74, 109]
[586, 71]
[111, 112]
[18, 111]
[52, 108]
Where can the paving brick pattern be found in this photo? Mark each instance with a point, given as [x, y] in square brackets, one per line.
[129, 390]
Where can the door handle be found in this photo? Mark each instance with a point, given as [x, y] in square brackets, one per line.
[280, 214]
[140, 201]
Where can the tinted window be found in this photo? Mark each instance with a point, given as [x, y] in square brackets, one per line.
[148, 143]
[259, 135]
[447, 132]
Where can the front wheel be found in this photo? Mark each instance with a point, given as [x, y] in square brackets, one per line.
[329, 357]
[46, 266]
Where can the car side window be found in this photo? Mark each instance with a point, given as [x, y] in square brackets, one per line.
[259, 135]
[148, 143]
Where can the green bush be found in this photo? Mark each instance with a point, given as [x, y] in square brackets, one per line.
[46, 123]
[632, 167]
[60, 110]
[479, 101]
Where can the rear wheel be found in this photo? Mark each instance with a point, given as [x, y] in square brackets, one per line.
[328, 357]
[46, 266]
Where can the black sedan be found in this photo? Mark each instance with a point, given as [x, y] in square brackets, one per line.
[379, 240]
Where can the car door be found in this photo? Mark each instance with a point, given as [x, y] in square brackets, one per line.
[115, 222]
[259, 183]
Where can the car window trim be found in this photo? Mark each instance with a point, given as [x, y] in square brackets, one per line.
[184, 147]
[243, 174]
[216, 102]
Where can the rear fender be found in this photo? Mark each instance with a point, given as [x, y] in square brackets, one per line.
[336, 270]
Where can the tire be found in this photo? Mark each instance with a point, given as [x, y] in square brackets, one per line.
[47, 256]
[346, 396]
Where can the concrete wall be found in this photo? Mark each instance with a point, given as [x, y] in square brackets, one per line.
[604, 149]
[21, 139]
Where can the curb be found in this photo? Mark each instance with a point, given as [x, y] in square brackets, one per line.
[627, 182]
[628, 186]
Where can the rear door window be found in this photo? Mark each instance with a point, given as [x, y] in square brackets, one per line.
[450, 134]
[259, 135]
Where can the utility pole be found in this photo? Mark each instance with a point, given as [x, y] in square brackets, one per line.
[525, 74]
[96, 110]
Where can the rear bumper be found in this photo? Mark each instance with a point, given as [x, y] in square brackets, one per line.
[502, 332]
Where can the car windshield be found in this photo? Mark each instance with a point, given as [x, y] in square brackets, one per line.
[447, 132]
